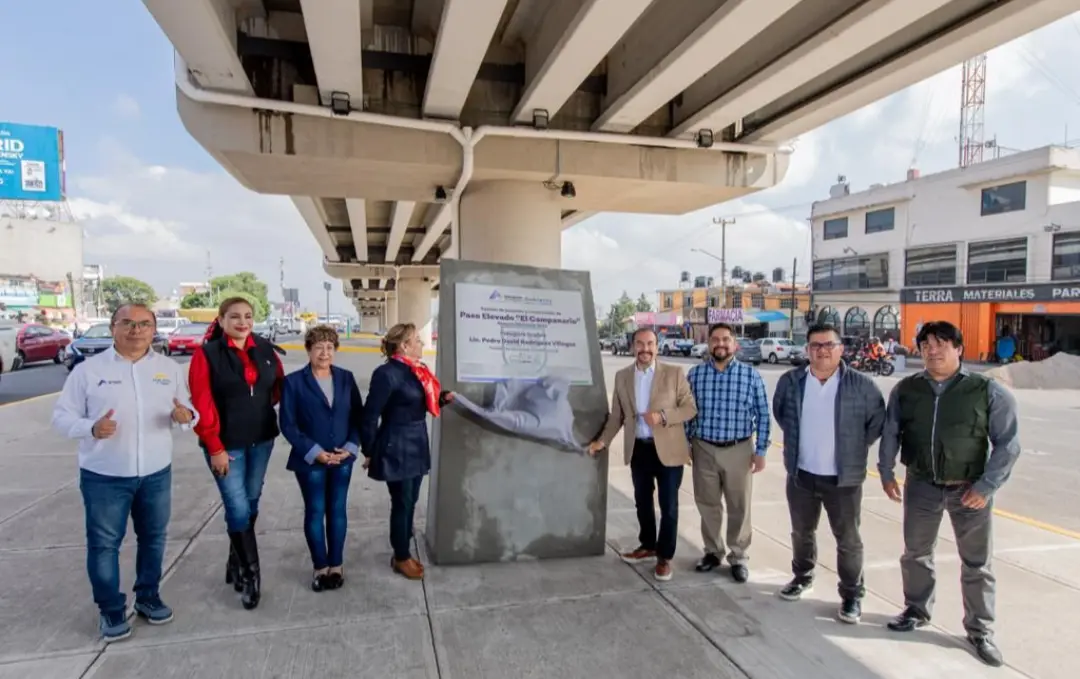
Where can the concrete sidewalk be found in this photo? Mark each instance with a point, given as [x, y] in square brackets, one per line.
[595, 617]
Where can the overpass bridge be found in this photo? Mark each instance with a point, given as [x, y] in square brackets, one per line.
[409, 130]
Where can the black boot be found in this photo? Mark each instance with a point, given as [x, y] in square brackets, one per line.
[243, 545]
[252, 580]
[232, 570]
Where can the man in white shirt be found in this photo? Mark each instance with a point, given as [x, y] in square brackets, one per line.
[830, 416]
[121, 406]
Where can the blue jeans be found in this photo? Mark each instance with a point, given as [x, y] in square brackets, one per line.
[326, 492]
[241, 488]
[403, 495]
[108, 501]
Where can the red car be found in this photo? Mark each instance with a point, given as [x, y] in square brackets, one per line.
[39, 343]
[187, 338]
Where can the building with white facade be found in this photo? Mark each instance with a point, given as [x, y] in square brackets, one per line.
[993, 248]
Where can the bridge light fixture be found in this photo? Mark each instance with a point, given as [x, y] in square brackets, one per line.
[705, 138]
[440, 194]
[339, 103]
[568, 190]
[540, 118]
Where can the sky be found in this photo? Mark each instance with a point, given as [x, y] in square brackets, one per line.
[156, 206]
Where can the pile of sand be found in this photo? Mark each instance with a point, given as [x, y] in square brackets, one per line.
[1060, 371]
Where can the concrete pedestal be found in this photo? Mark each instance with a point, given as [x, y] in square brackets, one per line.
[414, 305]
[496, 496]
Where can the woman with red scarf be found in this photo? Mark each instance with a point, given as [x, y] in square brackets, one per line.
[394, 434]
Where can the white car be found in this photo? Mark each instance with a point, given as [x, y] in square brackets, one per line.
[8, 334]
[776, 349]
[699, 351]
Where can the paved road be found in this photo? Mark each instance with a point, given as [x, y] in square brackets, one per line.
[33, 380]
[549, 618]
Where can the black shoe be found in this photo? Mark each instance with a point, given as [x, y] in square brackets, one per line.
[987, 650]
[908, 621]
[334, 580]
[850, 611]
[740, 573]
[794, 590]
[318, 582]
[708, 562]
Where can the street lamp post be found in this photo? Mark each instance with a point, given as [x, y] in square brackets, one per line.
[326, 286]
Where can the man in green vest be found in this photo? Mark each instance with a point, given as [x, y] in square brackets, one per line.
[957, 433]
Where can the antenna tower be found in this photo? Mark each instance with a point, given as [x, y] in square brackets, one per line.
[972, 108]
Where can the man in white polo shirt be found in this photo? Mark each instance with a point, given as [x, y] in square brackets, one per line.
[121, 406]
[830, 416]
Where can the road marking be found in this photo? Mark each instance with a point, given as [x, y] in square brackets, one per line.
[30, 399]
[1003, 513]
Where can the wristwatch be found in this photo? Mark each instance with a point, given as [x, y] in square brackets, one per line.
[663, 417]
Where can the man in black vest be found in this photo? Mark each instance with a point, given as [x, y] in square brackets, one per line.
[957, 434]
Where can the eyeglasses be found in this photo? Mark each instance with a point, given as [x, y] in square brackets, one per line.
[828, 346]
[127, 324]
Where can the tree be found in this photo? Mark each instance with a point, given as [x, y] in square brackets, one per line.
[196, 300]
[244, 284]
[120, 290]
[643, 303]
[620, 313]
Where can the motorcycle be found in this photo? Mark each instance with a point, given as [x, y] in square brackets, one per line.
[878, 366]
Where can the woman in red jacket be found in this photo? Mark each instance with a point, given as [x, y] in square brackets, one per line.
[235, 380]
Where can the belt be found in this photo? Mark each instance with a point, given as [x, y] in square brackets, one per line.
[726, 444]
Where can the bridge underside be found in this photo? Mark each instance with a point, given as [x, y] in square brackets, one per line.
[659, 106]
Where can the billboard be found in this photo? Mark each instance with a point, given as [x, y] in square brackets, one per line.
[31, 163]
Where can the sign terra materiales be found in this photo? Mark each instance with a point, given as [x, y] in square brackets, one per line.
[31, 163]
[1041, 292]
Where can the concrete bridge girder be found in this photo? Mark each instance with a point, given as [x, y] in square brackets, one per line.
[675, 69]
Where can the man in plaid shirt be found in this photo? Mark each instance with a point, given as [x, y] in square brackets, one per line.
[732, 407]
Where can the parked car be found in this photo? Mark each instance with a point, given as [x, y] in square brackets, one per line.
[748, 352]
[700, 351]
[97, 339]
[187, 338]
[799, 355]
[8, 341]
[775, 349]
[266, 331]
[35, 342]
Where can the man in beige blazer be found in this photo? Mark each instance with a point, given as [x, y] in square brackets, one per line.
[650, 404]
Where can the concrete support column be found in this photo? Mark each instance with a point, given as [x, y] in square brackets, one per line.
[370, 323]
[414, 305]
[511, 222]
[390, 315]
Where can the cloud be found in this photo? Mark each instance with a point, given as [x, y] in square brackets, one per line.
[125, 106]
[163, 224]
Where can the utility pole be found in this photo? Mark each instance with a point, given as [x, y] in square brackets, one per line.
[794, 299]
[209, 277]
[723, 223]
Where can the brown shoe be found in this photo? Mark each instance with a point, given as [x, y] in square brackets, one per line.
[639, 554]
[410, 568]
[662, 572]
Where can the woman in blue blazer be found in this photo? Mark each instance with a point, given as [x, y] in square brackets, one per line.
[320, 408]
[394, 435]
